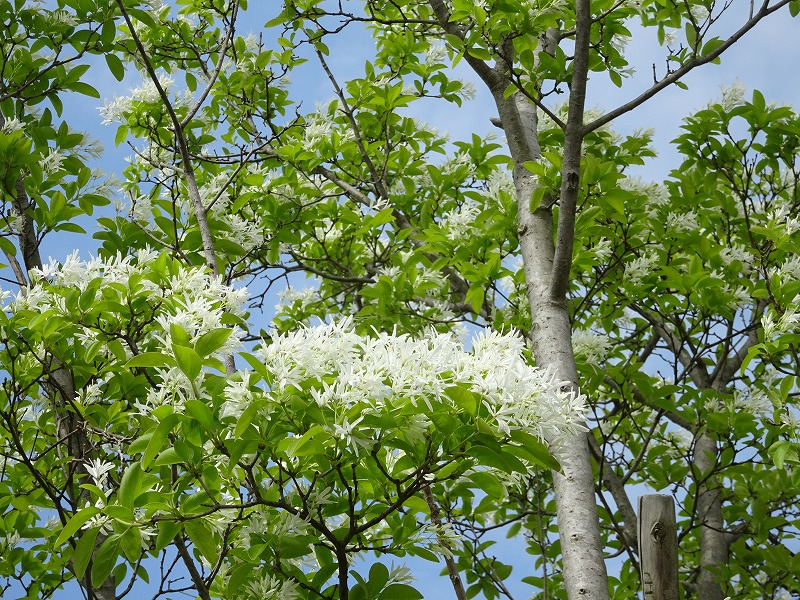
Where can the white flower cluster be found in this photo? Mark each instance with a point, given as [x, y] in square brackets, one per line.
[114, 111]
[682, 222]
[390, 368]
[288, 296]
[786, 323]
[460, 222]
[639, 268]
[602, 250]
[789, 270]
[51, 163]
[500, 182]
[732, 96]
[11, 125]
[269, 588]
[320, 125]
[738, 252]
[435, 54]
[783, 219]
[190, 298]
[590, 346]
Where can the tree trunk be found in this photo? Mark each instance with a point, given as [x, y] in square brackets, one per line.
[713, 540]
[551, 333]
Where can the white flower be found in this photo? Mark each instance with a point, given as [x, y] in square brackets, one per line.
[147, 93]
[11, 125]
[732, 95]
[318, 128]
[602, 250]
[783, 220]
[344, 369]
[90, 393]
[737, 252]
[459, 222]
[435, 54]
[100, 520]
[52, 162]
[753, 401]
[699, 13]
[141, 208]
[9, 542]
[237, 397]
[500, 182]
[591, 346]
[346, 431]
[682, 222]
[790, 269]
[61, 17]
[639, 268]
[98, 470]
[268, 587]
[769, 325]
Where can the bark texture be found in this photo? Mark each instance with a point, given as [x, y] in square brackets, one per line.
[585, 573]
[708, 508]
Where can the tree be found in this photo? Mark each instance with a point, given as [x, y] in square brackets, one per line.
[125, 416]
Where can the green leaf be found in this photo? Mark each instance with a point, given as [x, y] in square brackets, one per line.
[179, 336]
[105, 559]
[212, 341]
[86, 90]
[169, 456]
[759, 103]
[131, 544]
[130, 486]
[202, 538]
[258, 366]
[533, 449]
[140, 444]
[488, 483]
[121, 135]
[75, 523]
[400, 591]
[158, 439]
[783, 451]
[479, 53]
[464, 398]
[245, 419]
[84, 550]
[167, 531]
[188, 361]
[199, 411]
[150, 359]
[115, 66]
[378, 578]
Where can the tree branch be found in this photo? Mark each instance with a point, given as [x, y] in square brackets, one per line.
[452, 568]
[676, 75]
[571, 165]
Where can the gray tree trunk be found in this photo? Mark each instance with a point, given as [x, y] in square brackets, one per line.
[551, 333]
[708, 508]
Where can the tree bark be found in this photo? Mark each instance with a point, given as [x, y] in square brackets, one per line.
[551, 333]
[708, 508]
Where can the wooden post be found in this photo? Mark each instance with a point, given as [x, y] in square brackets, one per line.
[658, 547]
